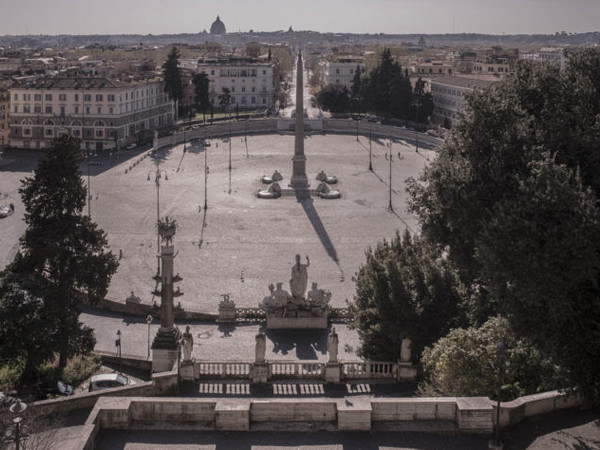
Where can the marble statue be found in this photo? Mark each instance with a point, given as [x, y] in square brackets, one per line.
[325, 191]
[322, 176]
[187, 344]
[166, 230]
[299, 279]
[332, 346]
[405, 352]
[261, 347]
[274, 191]
[318, 299]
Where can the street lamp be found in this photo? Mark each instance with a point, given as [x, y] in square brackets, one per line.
[417, 104]
[391, 158]
[499, 368]
[149, 320]
[118, 347]
[230, 156]
[17, 408]
[370, 146]
[157, 177]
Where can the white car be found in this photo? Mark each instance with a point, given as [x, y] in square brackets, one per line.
[109, 380]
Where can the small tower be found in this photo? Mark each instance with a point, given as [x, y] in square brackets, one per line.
[165, 346]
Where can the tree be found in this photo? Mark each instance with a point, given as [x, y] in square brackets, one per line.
[172, 73]
[404, 290]
[513, 199]
[334, 98]
[357, 90]
[225, 98]
[422, 101]
[64, 253]
[461, 364]
[201, 84]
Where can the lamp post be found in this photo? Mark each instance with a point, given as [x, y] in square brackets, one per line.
[88, 156]
[417, 104]
[118, 347]
[246, 136]
[500, 366]
[370, 147]
[230, 156]
[17, 408]
[357, 125]
[205, 174]
[391, 158]
[157, 177]
[149, 320]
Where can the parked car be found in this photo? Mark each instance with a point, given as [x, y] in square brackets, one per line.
[131, 146]
[6, 211]
[109, 380]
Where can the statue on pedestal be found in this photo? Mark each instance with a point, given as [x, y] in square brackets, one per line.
[332, 346]
[187, 344]
[299, 279]
[261, 347]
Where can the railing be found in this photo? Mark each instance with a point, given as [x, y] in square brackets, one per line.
[369, 369]
[222, 370]
[340, 315]
[282, 369]
[250, 314]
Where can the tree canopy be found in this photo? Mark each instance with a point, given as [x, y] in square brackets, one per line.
[201, 99]
[513, 201]
[172, 74]
[64, 255]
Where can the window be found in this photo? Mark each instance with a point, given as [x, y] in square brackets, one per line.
[76, 97]
[26, 109]
[77, 110]
[110, 97]
[87, 109]
[264, 72]
[48, 97]
[76, 133]
[16, 97]
[27, 131]
[111, 110]
[99, 97]
[37, 109]
[48, 131]
[337, 71]
[87, 98]
[264, 101]
[48, 110]
[62, 111]
[62, 97]
[26, 97]
[253, 89]
[126, 95]
[233, 89]
[37, 97]
[99, 110]
[243, 88]
[99, 133]
[253, 100]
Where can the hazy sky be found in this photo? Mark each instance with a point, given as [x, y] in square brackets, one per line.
[360, 16]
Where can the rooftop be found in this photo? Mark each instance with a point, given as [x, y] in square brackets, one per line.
[79, 83]
[467, 82]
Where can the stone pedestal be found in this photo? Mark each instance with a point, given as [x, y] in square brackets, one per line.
[259, 373]
[296, 323]
[186, 370]
[226, 312]
[333, 372]
[406, 372]
[354, 413]
[165, 349]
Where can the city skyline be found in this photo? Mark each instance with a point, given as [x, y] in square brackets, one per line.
[349, 16]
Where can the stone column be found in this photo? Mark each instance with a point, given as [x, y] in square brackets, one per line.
[259, 372]
[333, 366]
[299, 179]
[406, 370]
[165, 346]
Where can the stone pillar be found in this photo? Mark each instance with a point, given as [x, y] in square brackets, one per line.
[226, 310]
[165, 347]
[406, 370]
[259, 372]
[333, 367]
[299, 179]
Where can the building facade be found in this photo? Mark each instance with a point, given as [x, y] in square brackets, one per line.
[342, 70]
[4, 110]
[250, 82]
[104, 113]
[449, 96]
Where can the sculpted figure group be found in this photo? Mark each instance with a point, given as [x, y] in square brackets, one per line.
[281, 303]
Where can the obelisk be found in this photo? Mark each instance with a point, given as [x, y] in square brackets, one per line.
[299, 181]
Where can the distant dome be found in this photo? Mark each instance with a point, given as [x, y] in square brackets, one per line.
[217, 27]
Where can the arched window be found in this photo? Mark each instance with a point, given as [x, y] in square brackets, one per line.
[49, 122]
[76, 123]
[99, 123]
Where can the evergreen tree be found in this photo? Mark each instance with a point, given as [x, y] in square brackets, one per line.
[513, 199]
[172, 74]
[64, 253]
[357, 90]
[225, 98]
[201, 85]
[334, 98]
[404, 291]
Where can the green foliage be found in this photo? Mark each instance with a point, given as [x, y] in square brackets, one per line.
[334, 98]
[464, 363]
[405, 289]
[225, 98]
[513, 200]
[81, 368]
[64, 253]
[201, 83]
[172, 73]
[10, 375]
